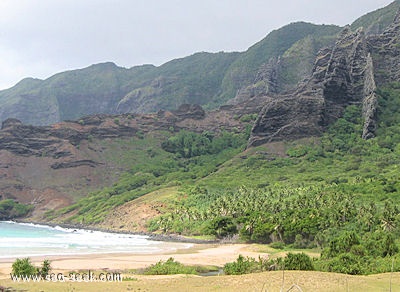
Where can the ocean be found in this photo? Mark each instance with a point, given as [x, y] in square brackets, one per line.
[26, 239]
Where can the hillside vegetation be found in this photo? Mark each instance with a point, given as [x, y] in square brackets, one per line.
[338, 193]
[332, 191]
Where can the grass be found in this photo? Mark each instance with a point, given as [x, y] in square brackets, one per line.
[275, 253]
[162, 195]
[266, 281]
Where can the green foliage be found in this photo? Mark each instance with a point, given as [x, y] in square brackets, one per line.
[377, 21]
[153, 168]
[45, 269]
[339, 193]
[388, 131]
[24, 267]
[169, 267]
[242, 265]
[346, 263]
[278, 245]
[341, 244]
[188, 144]
[298, 261]
[246, 265]
[10, 209]
[221, 227]
[345, 134]
[248, 118]
[297, 151]
[242, 71]
[381, 244]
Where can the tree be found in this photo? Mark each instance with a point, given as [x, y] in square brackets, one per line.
[222, 227]
[23, 267]
[388, 219]
[341, 244]
[298, 261]
[45, 269]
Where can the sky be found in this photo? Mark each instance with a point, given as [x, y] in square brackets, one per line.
[39, 38]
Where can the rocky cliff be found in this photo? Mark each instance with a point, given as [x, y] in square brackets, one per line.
[344, 74]
[51, 166]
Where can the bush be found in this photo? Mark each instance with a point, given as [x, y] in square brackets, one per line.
[241, 266]
[24, 267]
[45, 269]
[248, 118]
[298, 261]
[10, 209]
[221, 227]
[170, 267]
[297, 151]
[277, 245]
[341, 244]
[346, 263]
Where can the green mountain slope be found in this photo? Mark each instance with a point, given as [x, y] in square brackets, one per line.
[376, 21]
[195, 79]
[309, 193]
[244, 70]
[334, 192]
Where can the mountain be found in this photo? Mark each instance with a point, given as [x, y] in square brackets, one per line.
[203, 78]
[274, 65]
[109, 89]
[311, 122]
[304, 155]
[377, 21]
[63, 162]
[346, 74]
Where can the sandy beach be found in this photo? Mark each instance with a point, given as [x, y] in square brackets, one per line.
[197, 254]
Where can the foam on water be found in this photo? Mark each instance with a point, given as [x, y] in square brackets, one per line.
[27, 239]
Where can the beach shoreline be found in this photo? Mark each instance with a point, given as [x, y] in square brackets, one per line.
[185, 250]
[150, 235]
[198, 254]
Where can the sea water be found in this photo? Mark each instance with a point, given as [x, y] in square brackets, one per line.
[26, 239]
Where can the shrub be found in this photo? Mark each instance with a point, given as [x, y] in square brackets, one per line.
[10, 209]
[241, 266]
[248, 118]
[297, 151]
[341, 244]
[298, 261]
[45, 269]
[221, 227]
[277, 245]
[346, 263]
[170, 267]
[23, 267]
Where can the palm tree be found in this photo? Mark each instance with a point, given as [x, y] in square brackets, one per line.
[388, 219]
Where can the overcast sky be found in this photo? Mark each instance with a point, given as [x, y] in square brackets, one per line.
[39, 38]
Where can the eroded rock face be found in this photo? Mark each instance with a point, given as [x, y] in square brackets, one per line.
[345, 74]
[190, 111]
[49, 166]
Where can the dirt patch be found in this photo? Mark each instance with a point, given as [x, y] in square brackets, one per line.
[131, 217]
